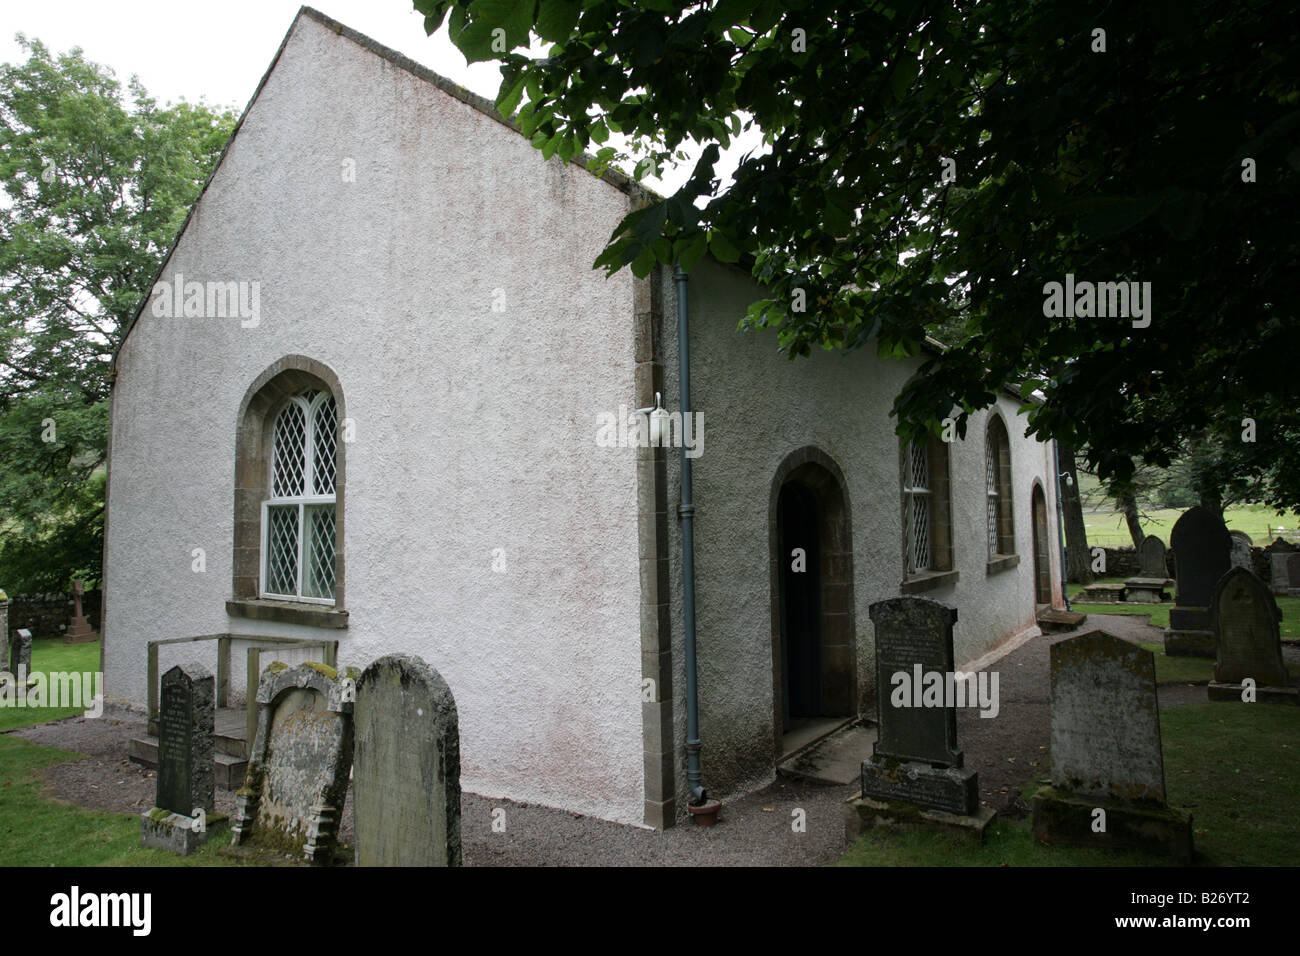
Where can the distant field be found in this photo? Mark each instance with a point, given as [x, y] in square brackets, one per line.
[1106, 527]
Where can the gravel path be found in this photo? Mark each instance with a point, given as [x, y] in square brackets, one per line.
[754, 830]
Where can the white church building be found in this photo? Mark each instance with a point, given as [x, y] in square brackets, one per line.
[370, 401]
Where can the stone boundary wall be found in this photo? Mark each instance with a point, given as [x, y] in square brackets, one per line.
[48, 615]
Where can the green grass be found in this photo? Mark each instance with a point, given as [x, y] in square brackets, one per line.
[1108, 529]
[1159, 613]
[36, 830]
[51, 655]
[1234, 767]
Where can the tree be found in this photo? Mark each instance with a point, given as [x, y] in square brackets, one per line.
[928, 160]
[93, 195]
[1078, 557]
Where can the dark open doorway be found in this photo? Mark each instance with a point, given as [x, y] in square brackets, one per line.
[801, 652]
[814, 657]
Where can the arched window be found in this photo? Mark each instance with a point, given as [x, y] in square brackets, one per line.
[298, 517]
[997, 471]
[927, 531]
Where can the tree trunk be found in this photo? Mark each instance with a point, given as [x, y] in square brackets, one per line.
[1130, 506]
[1078, 559]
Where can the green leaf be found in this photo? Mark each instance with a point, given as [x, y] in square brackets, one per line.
[722, 248]
[556, 19]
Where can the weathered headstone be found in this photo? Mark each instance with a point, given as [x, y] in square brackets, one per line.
[1249, 643]
[1202, 555]
[4, 631]
[916, 761]
[1241, 546]
[1105, 752]
[79, 630]
[297, 778]
[1293, 575]
[186, 794]
[1149, 584]
[1151, 558]
[20, 655]
[406, 767]
[1281, 579]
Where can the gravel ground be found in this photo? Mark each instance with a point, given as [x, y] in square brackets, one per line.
[754, 830]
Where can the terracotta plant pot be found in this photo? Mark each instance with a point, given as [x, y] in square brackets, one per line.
[706, 814]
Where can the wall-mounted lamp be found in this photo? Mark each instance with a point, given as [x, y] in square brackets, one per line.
[658, 420]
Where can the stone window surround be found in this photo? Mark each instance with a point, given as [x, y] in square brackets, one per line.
[264, 398]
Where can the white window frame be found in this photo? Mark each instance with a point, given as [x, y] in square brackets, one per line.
[303, 501]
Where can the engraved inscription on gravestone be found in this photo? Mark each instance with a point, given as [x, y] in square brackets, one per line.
[186, 772]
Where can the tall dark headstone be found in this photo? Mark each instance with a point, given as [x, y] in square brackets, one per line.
[4, 631]
[1108, 779]
[186, 714]
[186, 788]
[298, 770]
[1248, 641]
[916, 758]
[406, 768]
[1202, 555]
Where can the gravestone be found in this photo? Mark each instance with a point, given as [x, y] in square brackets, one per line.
[1293, 575]
[406, 766]
[298, 769]
[79, 630]
[4, 631]
[1202, 555]
[1151, 558]
[20, 655]
[186, 767]
[1149, 584]
[1105, 752]
[1241, 547]
[1249, 643]
[1280, 578]
[916, 769]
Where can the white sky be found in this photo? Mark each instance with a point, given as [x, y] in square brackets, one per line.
[219, 51]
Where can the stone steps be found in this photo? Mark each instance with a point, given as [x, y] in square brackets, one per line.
[229, 770]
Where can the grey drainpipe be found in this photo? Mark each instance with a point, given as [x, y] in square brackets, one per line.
[1060, 516]
[687, 514]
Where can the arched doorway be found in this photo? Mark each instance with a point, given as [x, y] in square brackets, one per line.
[1042, 556]
[814, 659]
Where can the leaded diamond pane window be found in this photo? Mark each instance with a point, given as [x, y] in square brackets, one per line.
[991, 487]
[298, 520]
[916, 491]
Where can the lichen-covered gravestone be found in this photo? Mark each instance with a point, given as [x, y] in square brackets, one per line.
[1108, 778]
[1249, 643]
[916, 764]
[406, 769]
[297, 778]
[186, 788]
[1202, 555]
